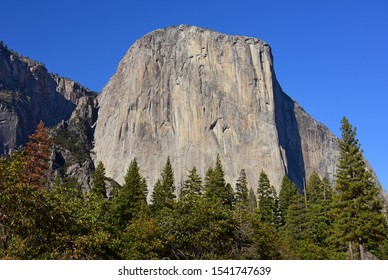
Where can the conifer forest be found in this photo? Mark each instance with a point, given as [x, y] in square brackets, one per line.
[202, 218]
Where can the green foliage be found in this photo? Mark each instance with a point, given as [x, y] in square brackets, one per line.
[308, 225]
[72, 141]
[98, 177]
[163, 195]
[356, 204]
[267, 205]
[287, 195]
[131, 198]
[216, 188]
[252, 201]
[84, 233]
[256, 240]
[295, 220]
[327, 190]
[142, 240]
[206, 222]
[314, 189]
[199, 229]
[242, 189]
[193, 184]
[52, 224]
[27, 221]
[11, 169]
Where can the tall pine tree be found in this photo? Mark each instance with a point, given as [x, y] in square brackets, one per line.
[267, 204]
[131, 198]
[216, 187]
[314, 189]
[163, 195]
[98, 177]
[287, 195]
[193, 184]
[357, 208]
[242, 189]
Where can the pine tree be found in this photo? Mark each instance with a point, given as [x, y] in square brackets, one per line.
[327, 190]
[314, 189]
[295, 219]
[288, 193]
[266, 200]
[131, 198]
[230, 196]
[163, 195]
[318, 225]
[99, 180]
[242, 189]
[193, 184]
[37, 153]
[216, 188]
[356, 205]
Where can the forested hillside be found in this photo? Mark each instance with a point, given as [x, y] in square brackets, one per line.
[203, 218]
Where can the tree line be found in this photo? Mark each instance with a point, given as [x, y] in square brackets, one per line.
[207, 218]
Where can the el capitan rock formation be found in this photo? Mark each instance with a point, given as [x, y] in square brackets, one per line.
[192, 93]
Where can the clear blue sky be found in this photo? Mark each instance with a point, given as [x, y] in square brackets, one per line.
[331, 56]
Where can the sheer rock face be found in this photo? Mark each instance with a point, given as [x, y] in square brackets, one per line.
[28, 94]
[191, 93]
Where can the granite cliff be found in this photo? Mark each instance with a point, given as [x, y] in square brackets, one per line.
[184, 92]
[28, 94]
[192, 93]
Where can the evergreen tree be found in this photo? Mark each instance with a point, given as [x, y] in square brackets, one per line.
[327, 190]
[242, 189]
[308, 227]
[163, 195]
[307, 224]
[267, 206]
[288, 193]
[230, 196]
[295, 221]
[199, 228]
[37, 153]
[193, 184]
[314, 189]
[215, 185]
[132, 196]
[98, 177]
[216, 188]
[356, 205]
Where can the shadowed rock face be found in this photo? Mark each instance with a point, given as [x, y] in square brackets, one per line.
[191, 93]
[28, 94]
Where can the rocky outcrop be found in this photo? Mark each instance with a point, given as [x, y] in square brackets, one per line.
[73, 140]
[28, 94]
[191, 93]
